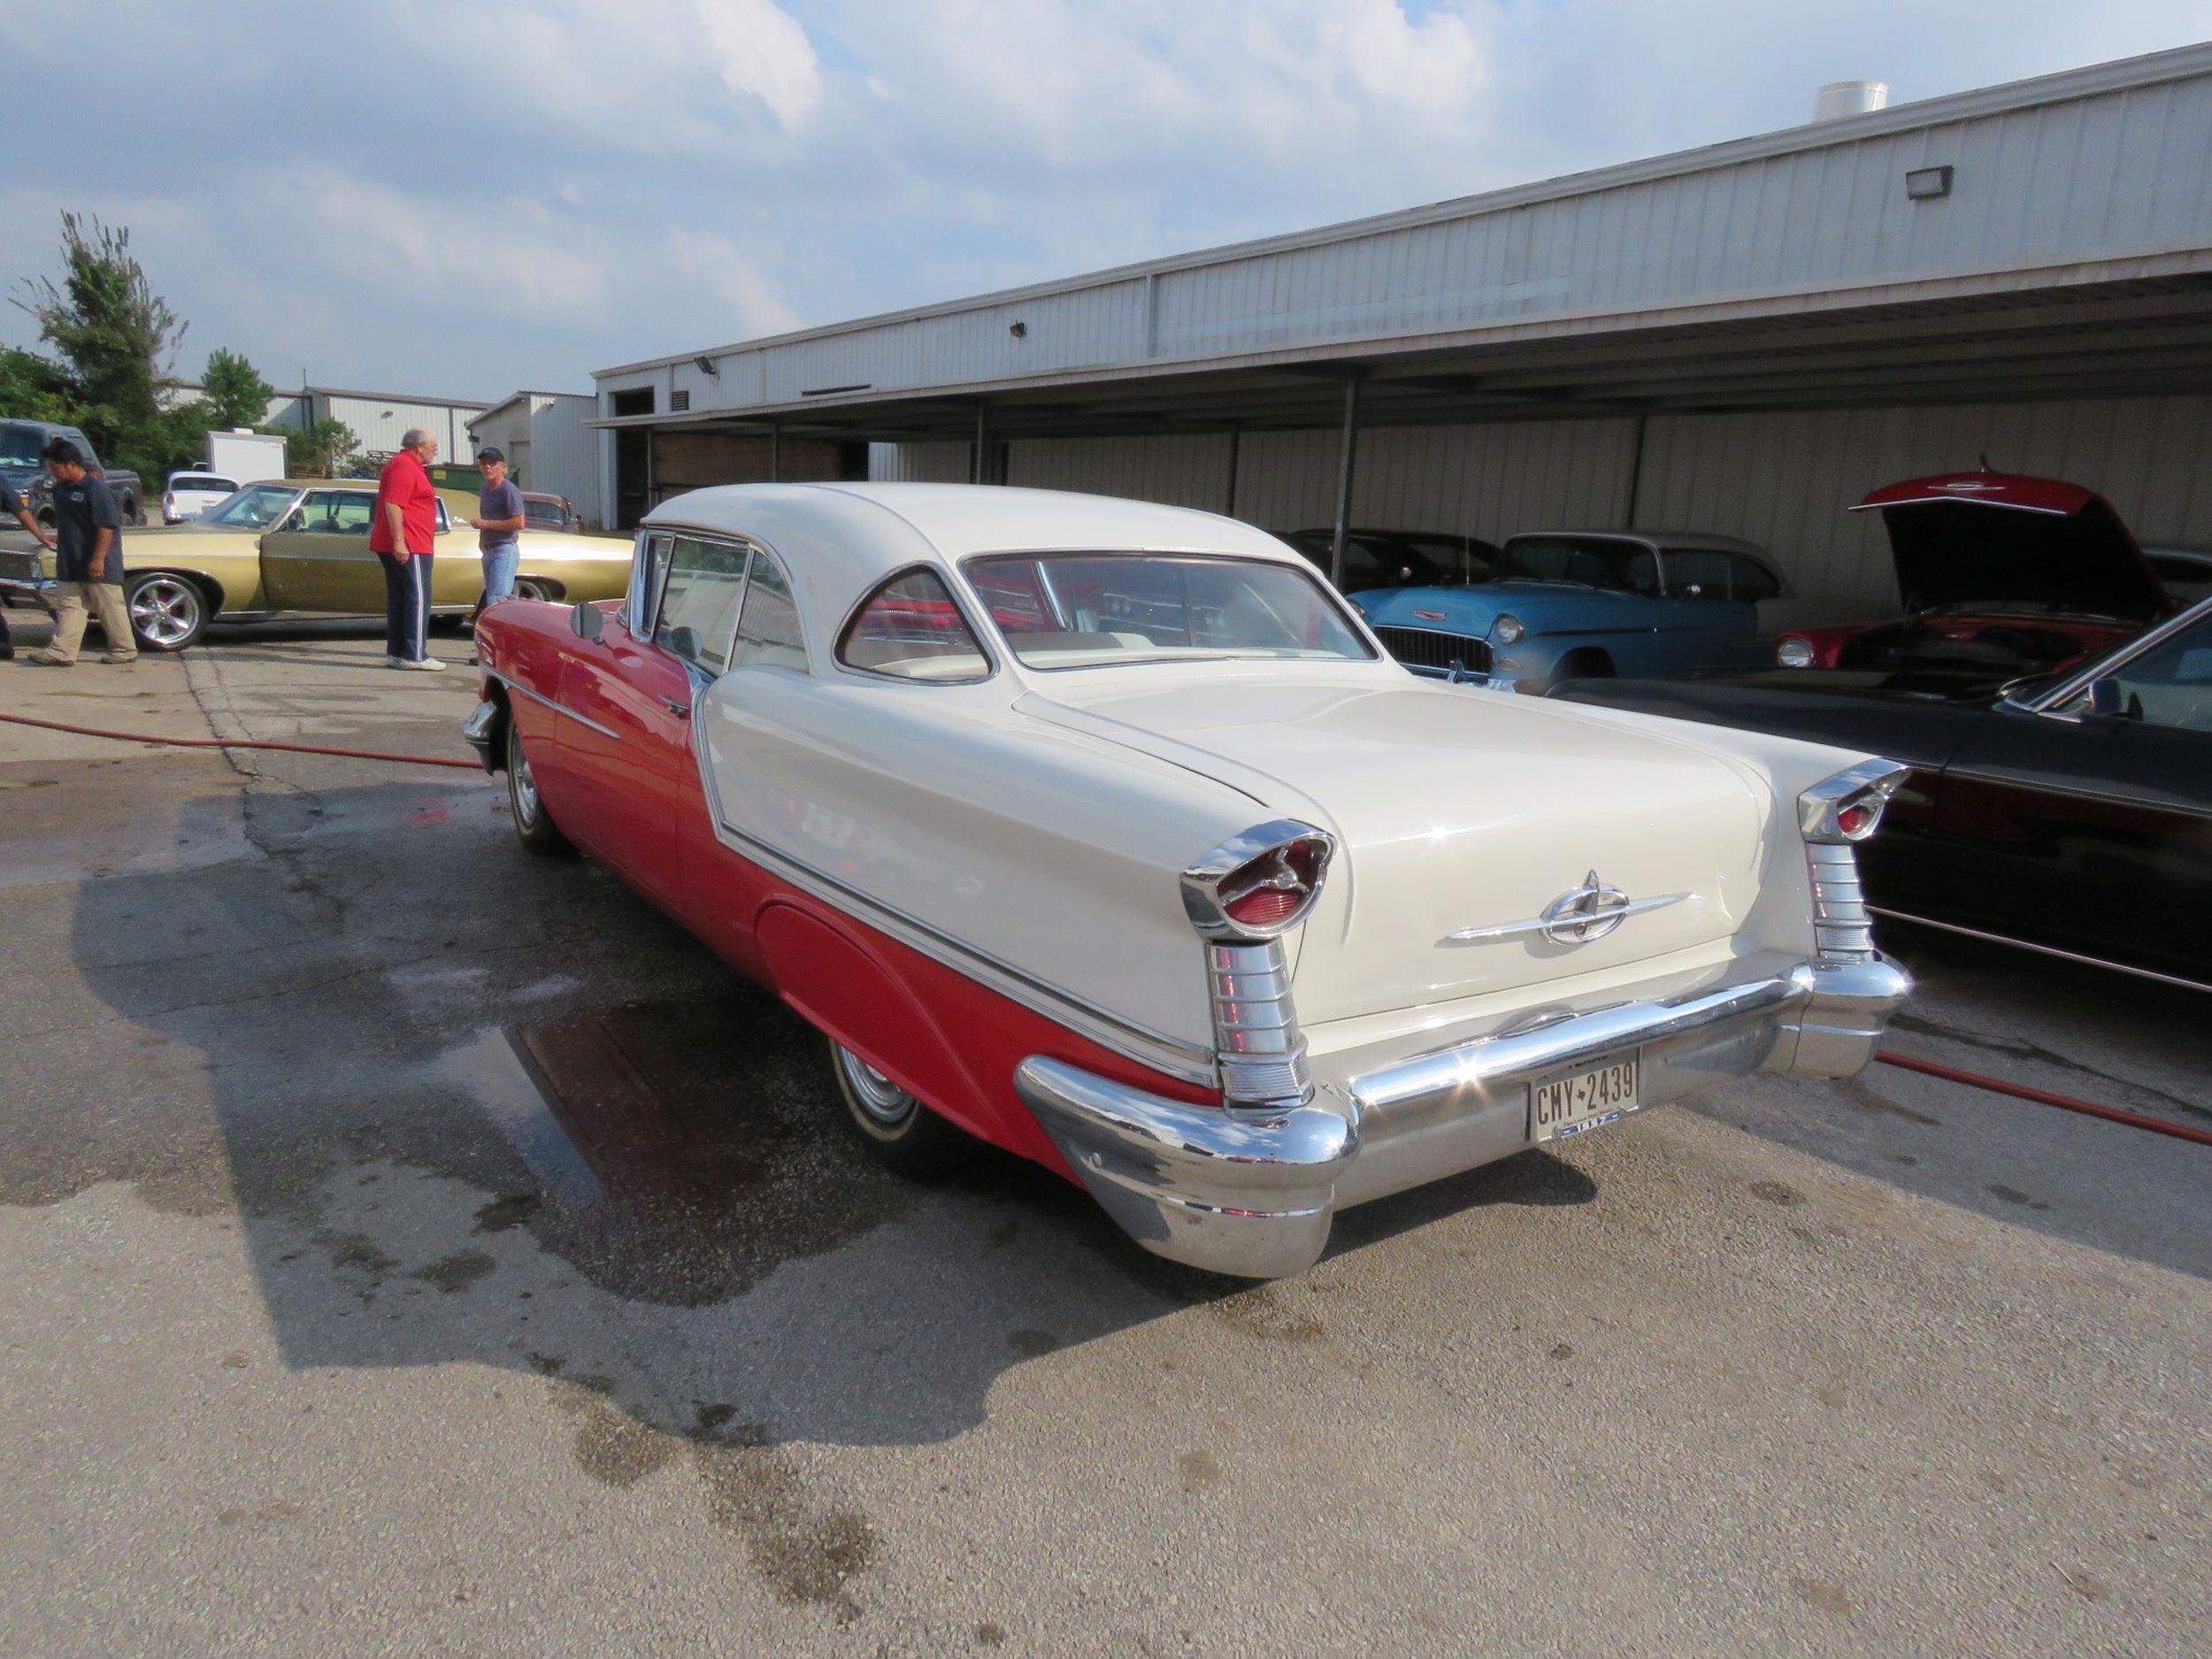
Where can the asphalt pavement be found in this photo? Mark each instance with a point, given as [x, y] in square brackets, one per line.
[409, 1246]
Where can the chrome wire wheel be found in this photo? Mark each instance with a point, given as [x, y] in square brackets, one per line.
[870, 1091]
[167, 613]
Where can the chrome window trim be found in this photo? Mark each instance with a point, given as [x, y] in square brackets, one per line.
[1354, 621]
[952, 592]
[513, 684]
[2118, 657]
[1171, 1056]
[637, 602]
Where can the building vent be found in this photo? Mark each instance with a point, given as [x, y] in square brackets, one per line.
[680, 400]
[1842, 98]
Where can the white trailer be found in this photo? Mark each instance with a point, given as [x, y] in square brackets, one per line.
[245, 456]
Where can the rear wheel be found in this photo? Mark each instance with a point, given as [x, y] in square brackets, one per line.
[534, 827]
[899, 1131]
[528, 587]
[167, 613]
[133, 512]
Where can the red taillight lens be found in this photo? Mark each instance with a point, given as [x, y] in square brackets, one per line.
[1856, 819]
[1263, 907]
[1273, 886]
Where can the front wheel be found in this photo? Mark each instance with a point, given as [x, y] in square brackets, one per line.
[899, 1131]
[167, 613]
[133, 510]
[534, 827]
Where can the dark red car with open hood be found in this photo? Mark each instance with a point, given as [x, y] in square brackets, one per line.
[2002, 574]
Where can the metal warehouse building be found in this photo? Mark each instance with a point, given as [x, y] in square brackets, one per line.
[1744, 338]
[378, 420]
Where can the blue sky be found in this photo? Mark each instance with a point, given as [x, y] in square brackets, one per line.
[405, 195]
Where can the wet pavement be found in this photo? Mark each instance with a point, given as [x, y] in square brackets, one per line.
[411, 1246]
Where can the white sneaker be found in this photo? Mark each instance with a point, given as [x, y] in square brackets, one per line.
[391, 661]
[425, 664]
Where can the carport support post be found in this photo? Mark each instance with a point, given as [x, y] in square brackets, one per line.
[977, 463]
[775, 452]
[1236, 442]
[1344, 482]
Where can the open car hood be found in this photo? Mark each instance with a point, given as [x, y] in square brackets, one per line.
[2000, 537]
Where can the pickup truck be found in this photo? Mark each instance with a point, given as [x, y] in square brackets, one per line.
[24, 467]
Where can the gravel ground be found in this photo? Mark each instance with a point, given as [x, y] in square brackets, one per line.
[411, 1247]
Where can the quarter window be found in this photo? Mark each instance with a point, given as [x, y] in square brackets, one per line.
[699, 602]
[1752, 581]
[1696, 573]
[768, 626]
[910, 629]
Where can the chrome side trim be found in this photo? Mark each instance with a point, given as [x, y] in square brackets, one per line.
[515, 685]
[1171, 1056]
[2041, 950]
[1538, 924]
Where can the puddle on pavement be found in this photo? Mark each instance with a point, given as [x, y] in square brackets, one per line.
[676, 1151]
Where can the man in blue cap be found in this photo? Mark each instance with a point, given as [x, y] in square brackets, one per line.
[498, 522]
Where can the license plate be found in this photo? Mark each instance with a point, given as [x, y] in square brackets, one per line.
[1588, 1097]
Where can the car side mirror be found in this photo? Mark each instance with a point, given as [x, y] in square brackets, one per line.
[586, 621]
[2107, 700]
[685, 643]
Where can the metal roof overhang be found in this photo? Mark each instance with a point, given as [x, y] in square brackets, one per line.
[2122, 327]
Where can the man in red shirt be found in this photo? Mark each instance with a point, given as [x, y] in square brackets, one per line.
[403, 537]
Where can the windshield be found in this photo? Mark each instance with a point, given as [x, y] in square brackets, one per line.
[256, 507]
[20, 446]
[1093, 609]
[203, 480]
[1626, 567]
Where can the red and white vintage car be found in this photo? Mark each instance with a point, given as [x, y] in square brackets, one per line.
[1106, 833]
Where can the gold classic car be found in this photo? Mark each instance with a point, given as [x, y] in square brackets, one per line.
[299, 547]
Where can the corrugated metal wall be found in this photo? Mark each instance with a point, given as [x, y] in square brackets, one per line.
[381, 422]
[1783, 480]
[2092, 167]
[565, 453]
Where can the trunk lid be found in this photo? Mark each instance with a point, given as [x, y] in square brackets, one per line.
[1965, 539]
[1456, 809]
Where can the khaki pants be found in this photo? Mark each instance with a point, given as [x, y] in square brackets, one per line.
[69, 619]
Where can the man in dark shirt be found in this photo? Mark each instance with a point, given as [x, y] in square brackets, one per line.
[12, 503]
[88, 529]
[499, 521]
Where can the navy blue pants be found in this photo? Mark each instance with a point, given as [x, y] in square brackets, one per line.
[406, 606]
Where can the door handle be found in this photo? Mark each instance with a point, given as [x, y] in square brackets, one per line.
[680, 710]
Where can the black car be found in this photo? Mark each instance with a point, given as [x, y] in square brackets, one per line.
[2070, 813]
[1400, 559]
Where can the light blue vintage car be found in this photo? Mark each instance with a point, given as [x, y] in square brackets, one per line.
[1579, 604]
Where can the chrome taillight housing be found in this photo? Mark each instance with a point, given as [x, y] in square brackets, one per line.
[1833, 816]
[1242, 897]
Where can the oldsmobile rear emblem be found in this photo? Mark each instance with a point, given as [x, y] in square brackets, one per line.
[1587, 912]
[1575, 917]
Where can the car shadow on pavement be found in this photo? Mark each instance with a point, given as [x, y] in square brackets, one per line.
[2085, 1033]
[473, 1106]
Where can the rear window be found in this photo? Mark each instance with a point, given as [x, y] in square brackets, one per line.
[1581, 562]
[202, 480]
[912, 629]
[544, 515]
[1098, 609]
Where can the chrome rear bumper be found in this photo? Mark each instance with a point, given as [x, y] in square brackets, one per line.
[1253, 1193]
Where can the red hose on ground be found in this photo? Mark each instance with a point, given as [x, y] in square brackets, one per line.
[2020, 1091]
[239, 742]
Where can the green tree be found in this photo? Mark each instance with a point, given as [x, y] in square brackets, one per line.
[33, 389]
[117, 338]
[326, 449]
[235, 391]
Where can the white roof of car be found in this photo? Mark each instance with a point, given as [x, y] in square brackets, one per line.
[838, 541]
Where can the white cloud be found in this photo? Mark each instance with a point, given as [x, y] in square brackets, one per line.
[750, 297]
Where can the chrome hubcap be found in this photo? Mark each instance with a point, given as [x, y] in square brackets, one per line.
[165, 612]
[876, 1094]
[524, 787]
